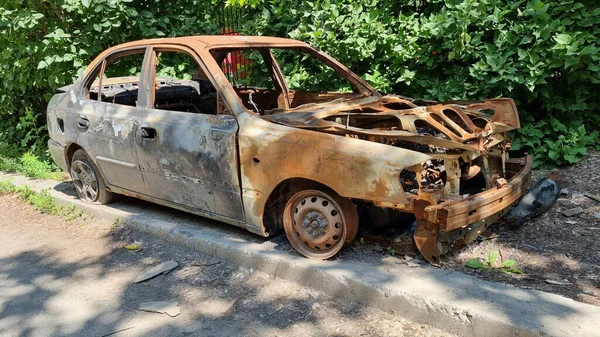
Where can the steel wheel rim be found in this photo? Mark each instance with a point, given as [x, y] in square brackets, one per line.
[85, 180]
[317, 226]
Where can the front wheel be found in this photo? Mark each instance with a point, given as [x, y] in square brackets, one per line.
[87, 179]
[318, 224]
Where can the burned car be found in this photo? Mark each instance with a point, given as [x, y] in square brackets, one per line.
[270, 134]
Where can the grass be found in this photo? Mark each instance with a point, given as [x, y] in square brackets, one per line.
[6, 187]
[42, 200]
[28, 164]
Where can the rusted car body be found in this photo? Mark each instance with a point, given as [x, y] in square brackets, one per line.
[297, 160]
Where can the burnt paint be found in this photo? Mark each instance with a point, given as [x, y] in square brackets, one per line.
[353, 168]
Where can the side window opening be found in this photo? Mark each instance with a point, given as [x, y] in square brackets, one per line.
[249, 72]
[120, 80]
[306, 78]
[181, 85]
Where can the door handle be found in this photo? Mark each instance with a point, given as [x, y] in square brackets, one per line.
[83, 123]
[149, 133]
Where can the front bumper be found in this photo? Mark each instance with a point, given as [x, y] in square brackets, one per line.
[57, 152]
[452, 220]
[453, 214]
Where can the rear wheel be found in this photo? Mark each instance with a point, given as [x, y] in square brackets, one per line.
[87, 179]
[319, 224]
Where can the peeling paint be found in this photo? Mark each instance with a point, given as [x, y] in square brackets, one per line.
[441, 161]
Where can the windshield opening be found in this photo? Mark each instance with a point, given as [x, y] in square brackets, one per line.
[274, 80]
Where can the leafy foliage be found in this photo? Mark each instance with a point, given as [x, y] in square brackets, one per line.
[554, 142]
[542, 54]
[28, 164]
[47, 44]
[391, 250]
[545, 55]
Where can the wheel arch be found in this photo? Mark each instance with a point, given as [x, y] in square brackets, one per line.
[275, 204]
[70, 151]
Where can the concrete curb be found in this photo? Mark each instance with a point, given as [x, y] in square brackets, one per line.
[448, 300]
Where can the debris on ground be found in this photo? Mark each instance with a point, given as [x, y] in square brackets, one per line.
[592, 196]
[169, 308]
[573, 211]
[163, 268]
[549, 247]
[117, 331]
[559, 282]
[487, 235]
[134, 247]
[537, 201]
[205, 264]
[530, 247]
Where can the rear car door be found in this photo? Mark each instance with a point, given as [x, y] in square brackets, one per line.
[107, 122]
[187, 150]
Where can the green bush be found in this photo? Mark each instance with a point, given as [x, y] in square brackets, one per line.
[43, 202]
[542, 54]
[554, 142]
[35, 168]
[47, 44]
[28, 164]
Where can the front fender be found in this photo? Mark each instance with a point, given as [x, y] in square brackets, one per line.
[271, 153]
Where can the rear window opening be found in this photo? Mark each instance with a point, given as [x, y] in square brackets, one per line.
[119, 83]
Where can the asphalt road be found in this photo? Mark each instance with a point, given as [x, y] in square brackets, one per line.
[74, 278]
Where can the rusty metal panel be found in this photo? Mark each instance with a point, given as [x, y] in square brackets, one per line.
[192, 161]
[358, 144]
[271, 153]
[480, 206]
[109, 135]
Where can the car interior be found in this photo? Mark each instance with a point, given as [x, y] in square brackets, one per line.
[181, 85]
[251, 72]
[177, 88]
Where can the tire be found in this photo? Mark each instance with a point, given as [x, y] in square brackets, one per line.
[349, 209]
[319, 224]
[88, 181]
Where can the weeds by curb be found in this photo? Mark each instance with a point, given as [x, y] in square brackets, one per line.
[42, 200]
[506, 266]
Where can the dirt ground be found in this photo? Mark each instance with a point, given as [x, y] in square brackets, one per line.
[74, 278]
[549, 249]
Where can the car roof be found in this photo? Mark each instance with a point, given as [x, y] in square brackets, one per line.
[220, 41]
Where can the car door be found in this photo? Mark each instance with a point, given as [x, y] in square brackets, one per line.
[189, 157]
[107, 118]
